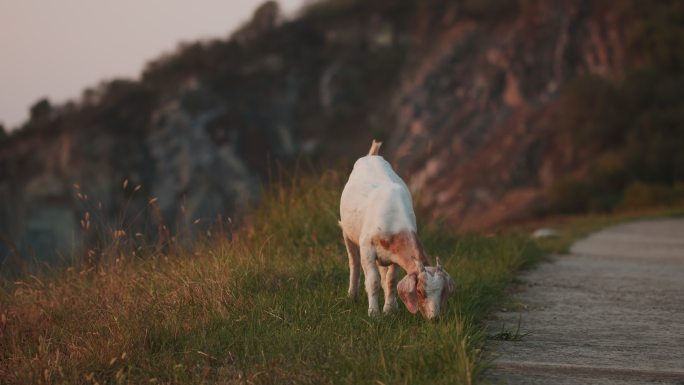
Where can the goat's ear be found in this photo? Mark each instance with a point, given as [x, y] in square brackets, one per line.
[450, 285]
[407, 292]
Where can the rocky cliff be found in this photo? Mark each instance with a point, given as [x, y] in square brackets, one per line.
[467, 96]
[478, 130]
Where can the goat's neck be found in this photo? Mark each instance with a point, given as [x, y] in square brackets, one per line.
[410, 252]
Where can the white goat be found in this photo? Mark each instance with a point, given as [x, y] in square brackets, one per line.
[379, 229]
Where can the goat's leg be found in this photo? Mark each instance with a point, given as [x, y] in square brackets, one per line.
[383, 273]
[372, 278]
[389, 284]
[354, 265]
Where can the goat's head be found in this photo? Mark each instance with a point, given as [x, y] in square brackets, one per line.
[427, 290]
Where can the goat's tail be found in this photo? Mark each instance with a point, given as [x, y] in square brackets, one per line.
[375, 148]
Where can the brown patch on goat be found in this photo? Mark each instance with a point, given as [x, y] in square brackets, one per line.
[406, 248]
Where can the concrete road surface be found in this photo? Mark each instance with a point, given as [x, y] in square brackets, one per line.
[610, 312]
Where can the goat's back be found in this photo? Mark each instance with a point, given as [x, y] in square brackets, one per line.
[375, 199]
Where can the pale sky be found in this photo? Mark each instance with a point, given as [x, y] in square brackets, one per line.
[56, 48]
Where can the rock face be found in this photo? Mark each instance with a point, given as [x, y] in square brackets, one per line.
[465, 96]
[477, 126]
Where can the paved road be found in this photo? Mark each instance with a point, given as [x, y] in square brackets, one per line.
[610, 312]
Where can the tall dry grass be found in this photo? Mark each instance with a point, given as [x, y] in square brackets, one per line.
[262, 304]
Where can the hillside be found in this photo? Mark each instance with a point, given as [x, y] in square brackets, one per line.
[493, 111]
[263, 304]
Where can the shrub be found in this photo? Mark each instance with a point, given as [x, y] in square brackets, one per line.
[654, 34]
[489, 9]
[598, 191]
[642, 195]
[569, 195]
[592, 111]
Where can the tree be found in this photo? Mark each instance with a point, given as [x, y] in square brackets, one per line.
[40, 109]
[265, 18]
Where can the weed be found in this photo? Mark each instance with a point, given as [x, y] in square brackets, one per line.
[508, 335]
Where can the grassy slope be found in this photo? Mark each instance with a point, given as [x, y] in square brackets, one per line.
[267, 306]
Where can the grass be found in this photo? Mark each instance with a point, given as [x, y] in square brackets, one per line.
[572, 228]
[510, 335]
[265, 304]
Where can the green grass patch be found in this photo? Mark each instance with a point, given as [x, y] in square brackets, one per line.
[572, 228]
[265, 304]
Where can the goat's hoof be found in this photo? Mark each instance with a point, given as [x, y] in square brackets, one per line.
[373, 313]
[391, 308]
